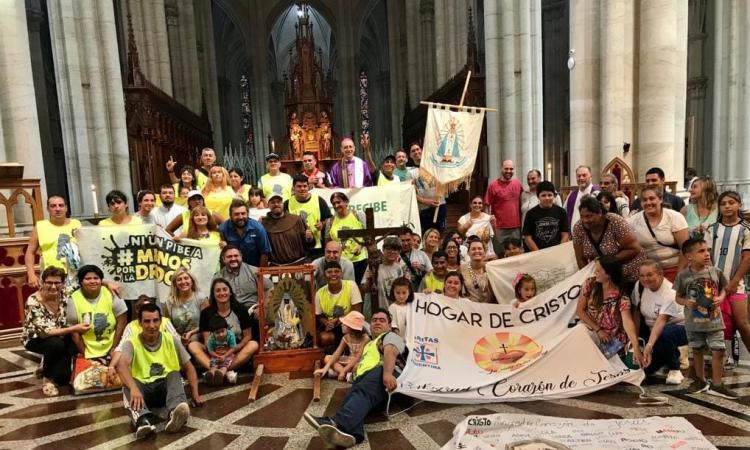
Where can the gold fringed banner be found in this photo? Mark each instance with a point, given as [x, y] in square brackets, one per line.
[451, 142]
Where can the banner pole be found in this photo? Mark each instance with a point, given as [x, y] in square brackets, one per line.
[466, 86]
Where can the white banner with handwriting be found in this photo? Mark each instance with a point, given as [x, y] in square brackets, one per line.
[466, 352]
[495, 431]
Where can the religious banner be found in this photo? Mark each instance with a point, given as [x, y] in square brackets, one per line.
[466, 352]
[143, 258]
[548, 267]
[394, 204]
[451, 141]
[523, 431]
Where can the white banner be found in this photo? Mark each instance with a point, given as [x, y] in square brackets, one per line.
[394, 205]
[143, 258]
[511, 431]
[451, 140]
[548, 267]
[466, 352]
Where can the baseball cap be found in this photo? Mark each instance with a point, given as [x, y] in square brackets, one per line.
[275, 195]
[271, 156]
[193, 193]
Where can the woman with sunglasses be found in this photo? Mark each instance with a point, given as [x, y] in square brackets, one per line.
[117, 202]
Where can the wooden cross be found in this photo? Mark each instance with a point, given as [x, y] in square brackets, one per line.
[371, 235]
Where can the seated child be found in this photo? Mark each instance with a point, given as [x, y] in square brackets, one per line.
[341, 366]
[220, 346]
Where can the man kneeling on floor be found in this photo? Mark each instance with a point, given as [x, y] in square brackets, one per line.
[382, 360]
[150, 371]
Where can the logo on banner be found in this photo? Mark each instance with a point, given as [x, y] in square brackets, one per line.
[505, 352]
[425, 352]
[450, 142]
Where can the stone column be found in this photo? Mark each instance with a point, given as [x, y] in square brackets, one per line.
[662, 90]
[731, 95]
[92, 107]
[585, 133]
[397, 67]
[150, 29]
[172, 16]
[450, 38]
[427, 55]
[208, 86]
[617, 81]
[514, 84]
[414, 50]
[19, 122]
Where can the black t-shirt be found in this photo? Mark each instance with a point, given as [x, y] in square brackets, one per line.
[238, 315]
[545, 226]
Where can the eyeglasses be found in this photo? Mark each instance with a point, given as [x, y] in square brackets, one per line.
[116, 201]
[53, 283]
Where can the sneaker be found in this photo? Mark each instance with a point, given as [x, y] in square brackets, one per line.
[316, 421]
[231, 377]
[729, 365]
[333, 436]
[720, 390]
[144, 428]
[698, 386]
[178, 417]
[675, 377]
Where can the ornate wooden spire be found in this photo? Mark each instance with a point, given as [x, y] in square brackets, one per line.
[135, 76]
[472, 53]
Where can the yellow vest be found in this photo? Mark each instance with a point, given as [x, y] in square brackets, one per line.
[433, 283]
[219, 202]
[148, 366]
[350, 222]
[244, 192]
[383, 181]
[311, 210]
[108, 222]
[48, 235]
[200, 180]
[100, 337]
[371, 357]
[177, 199]
[268, 183]
[329, 302]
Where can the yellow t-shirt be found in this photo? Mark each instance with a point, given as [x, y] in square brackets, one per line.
[49, 236]
[135, 220]
[220, 201]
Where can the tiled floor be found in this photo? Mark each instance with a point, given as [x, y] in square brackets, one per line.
[274, 421]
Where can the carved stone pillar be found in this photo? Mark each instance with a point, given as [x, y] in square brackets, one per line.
[19, 123]
[92, 109]
[513, 60]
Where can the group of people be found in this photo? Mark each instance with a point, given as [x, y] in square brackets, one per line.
[640, 249]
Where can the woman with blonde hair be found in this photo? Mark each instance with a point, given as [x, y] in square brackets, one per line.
[430, 242]
[703, 208]
[217, 192]
[183, 307]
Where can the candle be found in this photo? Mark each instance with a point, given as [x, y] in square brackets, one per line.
[93, 197]
[273, 146]
[549, 171]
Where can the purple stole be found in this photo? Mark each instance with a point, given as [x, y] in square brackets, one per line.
[570, 203]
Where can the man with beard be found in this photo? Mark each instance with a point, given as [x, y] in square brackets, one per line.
[503, 197]
[168, 210]
[583, 178]
[655, 178]
[288, 234]
[312, 209]
[350, 171]
[246, 234]
[241, 275]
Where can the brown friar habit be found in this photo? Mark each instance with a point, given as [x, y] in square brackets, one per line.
[287, 237]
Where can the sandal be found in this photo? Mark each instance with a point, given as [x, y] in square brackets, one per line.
[50, 390]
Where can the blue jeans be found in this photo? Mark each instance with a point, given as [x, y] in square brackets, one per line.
[426, 215]
[366, 394]
[666, 352]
